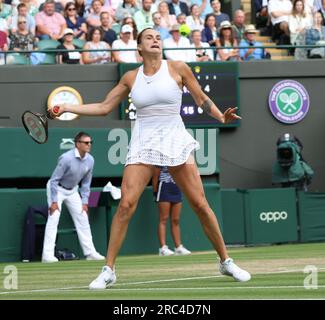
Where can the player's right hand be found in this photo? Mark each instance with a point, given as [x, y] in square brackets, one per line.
[56, 111]
[54, 206]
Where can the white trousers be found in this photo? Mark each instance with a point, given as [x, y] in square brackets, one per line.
[72, 200]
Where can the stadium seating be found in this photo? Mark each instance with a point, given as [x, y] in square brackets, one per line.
[48, 45]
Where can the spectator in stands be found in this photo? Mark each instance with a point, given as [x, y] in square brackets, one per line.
[3, 46]
[227, 41]
[126, 8]
[109, 35]
[298, 22]
[181, 18]
[322, 8]
[310, 8]
[5, 10]
[130, 21]
[315, 34]
[32, 7]
[177, 41]
[58, 7]
[22, 39]
[93, 17]
[22, 11]
[125, 42]
[143, 17]
[50, 24]
[262, 16]
[239, 24]
[202, 50]
[253, 49]
[68, 57]
[194, 20]
[204, 7]
[216, 10]
[210, 31]
[167, 19]
[75, 22]
[279, 11]
[96, 57]
[80, 7]
[176, 7]
[164, 33]
[110, 6]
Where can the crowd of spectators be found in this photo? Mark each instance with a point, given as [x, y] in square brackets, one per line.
[200, 27]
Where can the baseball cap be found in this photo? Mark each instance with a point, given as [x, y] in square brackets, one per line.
[126, 28]
[67, 31]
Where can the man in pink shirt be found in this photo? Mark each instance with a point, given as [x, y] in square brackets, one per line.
[49, 24]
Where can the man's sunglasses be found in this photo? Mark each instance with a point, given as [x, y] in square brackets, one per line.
[86, 142]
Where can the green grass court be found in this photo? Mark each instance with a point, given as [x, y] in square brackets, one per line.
[277, 273]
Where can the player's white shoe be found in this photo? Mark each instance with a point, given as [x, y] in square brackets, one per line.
[95, 256]
[181, 251]
[105, 279]
[50, 259]
[229, 268]
[165, 251]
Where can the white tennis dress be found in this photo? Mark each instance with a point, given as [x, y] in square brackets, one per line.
[159, 136]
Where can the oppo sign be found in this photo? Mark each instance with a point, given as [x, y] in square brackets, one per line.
[273, 216]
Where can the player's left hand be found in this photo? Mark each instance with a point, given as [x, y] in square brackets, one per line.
[230, 115]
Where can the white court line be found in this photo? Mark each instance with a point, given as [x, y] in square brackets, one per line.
[114, 288]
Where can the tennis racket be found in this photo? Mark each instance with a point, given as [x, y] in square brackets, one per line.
[36, 124]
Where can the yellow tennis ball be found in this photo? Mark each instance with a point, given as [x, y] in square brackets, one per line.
[184, 30]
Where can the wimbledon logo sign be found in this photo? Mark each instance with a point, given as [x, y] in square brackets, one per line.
[289, 101]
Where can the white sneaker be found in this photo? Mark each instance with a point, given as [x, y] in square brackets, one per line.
[165, 251]
[95, 256]
[181, 251]
[105, 279]
[229, 268]
[50, 260]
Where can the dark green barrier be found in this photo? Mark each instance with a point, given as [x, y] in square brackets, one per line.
[142, 236]
[271, 215]
[25, 158]
[14, 204]
[311, 216]
[233, 216]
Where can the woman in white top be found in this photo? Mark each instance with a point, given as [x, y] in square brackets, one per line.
[96, 57]
[194, 21]
[159, 137]
[298, 21]
[203, 51]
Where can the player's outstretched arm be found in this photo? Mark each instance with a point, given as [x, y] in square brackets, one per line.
[201, 99]
[112, 100]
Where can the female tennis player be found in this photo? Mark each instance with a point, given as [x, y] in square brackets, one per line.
[159, 138]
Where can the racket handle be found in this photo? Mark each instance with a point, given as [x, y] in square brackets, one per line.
[56, 110]
[53, 112]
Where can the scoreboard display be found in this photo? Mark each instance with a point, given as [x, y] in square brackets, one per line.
[219, 80]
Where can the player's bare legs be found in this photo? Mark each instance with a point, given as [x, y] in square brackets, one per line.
[135, 179]
[188, 179]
